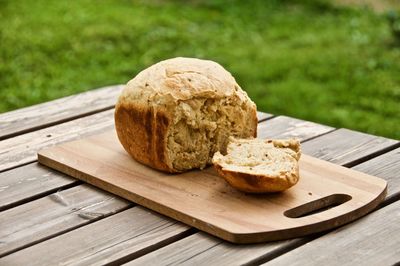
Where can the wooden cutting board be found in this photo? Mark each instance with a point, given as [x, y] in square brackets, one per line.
[326, 196]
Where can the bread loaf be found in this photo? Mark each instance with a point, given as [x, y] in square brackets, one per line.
[174, 115]
[258, 166]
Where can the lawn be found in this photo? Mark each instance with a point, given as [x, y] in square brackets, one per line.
[338, 66]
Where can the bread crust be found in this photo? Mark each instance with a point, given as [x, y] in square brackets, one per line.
[253, 183]
[142, 131]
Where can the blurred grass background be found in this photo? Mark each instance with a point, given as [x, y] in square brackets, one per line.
[322, 61]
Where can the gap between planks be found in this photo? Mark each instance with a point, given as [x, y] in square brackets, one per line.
[40, 195]
[58, 111]
[50, 124]
[148, 233]
[367, 243]
[83, 212]
[372, 155]
[363, 158]
[60, 233]
[297, 243]
[154, 247]
[22, 150]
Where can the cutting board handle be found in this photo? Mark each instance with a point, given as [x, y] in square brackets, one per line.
[317, 206]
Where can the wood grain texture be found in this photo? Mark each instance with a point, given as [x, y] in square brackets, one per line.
[23, 148]
[386, 166]
[54, 214]
[101, 161]
[33, 180]
[347, 147]
[287, 127]
[126, 234]
[374, 240]
[203, 249]
[57, 111]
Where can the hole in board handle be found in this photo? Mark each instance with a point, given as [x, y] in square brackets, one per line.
[317, 206]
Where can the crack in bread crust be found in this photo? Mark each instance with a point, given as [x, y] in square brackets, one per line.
[142, 133]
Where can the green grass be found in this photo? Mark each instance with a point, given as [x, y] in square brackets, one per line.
[336, 66]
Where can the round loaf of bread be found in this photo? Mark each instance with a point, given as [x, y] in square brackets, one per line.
[174, 115]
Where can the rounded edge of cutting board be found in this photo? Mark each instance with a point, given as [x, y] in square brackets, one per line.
[317, 227]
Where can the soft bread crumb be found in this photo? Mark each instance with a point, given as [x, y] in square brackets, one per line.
[255, 165]
[201, 128]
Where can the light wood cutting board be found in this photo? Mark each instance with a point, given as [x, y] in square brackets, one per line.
[204, 200]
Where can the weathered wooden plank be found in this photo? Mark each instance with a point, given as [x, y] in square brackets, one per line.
[210, 250]
[374, 240]
[54, 214]
[30, 181]
[348, 147]
[133, 232]
[263, 116]
[183, 251]
[57, 111]
[386, 166]
[287, 127]
[203, 249]
[23, 148]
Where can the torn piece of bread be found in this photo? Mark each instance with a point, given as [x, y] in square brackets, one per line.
[259, 166]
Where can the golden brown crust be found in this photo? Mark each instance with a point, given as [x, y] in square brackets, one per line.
[142, 132]
[253, 183]
[180, 79]
[255, 122]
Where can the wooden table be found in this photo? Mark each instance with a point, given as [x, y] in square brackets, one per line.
[47, 218]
